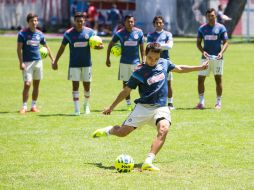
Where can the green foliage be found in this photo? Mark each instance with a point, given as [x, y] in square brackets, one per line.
[52, 149]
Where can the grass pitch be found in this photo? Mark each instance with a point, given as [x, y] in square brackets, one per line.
[52, 149]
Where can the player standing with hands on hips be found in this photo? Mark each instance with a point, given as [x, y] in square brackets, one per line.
[28, 45]
[165, 39]
[151, 108]
[80, 65]
[214, 36]
[131, 39]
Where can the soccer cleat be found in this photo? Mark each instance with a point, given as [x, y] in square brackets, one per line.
[129, 107]
[87, 108]
[34, 109]
[77, 113]
[101, 132]
[218, 106]
[200, 106]
[149, 167]
[22, 110]
[171, 106]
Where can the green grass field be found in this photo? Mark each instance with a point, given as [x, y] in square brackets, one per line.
[52, 149]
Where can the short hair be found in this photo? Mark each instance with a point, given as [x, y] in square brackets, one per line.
[158, 17]
[128, 17]
[30, 16]
[79, 15]
[208, 11]
[153, 47]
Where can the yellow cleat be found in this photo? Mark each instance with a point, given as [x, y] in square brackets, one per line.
[129, 108]
[149, 167]
[101, 132]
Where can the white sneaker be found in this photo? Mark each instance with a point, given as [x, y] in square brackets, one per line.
[87, 108]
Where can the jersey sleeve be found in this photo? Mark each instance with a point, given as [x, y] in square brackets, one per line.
[224, 34]
[66, 39]
[132, 83]
[43, 41]
[199, 34]
[149, 38]
[115, 38]
[20, 38]
[171, 66]
[142, 39]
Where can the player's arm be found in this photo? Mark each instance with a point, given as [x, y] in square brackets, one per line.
[19, 52]
[50, 54]
[199, 46]
[58, 55]
[110, 45]
[187, 68]
[142, 52]
[121, 96]
[223, 49]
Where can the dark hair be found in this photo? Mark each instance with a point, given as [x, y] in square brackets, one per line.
[158, 17]
[153, 47]
[128, 17]
[79, 15]
[30, 16]
[208, 11]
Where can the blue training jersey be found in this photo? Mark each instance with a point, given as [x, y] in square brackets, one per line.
[80, 55]
[152, 82]
[130, 42]
[213, 37]
[160, 37]
[31, 44]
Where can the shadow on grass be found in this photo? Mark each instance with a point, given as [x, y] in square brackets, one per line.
[99, 165]
[206, 108]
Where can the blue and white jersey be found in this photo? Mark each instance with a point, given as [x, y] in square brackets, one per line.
[161, 37]
[80, 55]
[31, 44]
[213, 37]
[130, 42]
[152, 82]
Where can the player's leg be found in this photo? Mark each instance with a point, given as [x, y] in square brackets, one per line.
[120, 131]
[25, 95]
[170, 92]
[75, 96]
[35, 95]
[86, 77]
[128, 98]
[219, 88]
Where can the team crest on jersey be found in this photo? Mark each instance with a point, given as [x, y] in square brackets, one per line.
[135, 36]
[37, 37]
[155, 79]
[159, 68]
[163, 36]
[86, 36]
[216, 31]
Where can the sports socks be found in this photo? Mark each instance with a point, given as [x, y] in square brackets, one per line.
[218, 100]
[24, 105]
[128, 102]
[86, 96]
[150, 158]
[170, 100]
[33, 103]
[201, 99]
[75, 95]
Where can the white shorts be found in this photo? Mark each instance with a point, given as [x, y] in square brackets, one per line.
[216, 66]
[80, 74]
[33, 70]
[125, 71]
[170, 76]
[146, 114]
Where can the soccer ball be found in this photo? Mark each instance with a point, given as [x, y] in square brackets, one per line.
[124, 163]
[43, 52]
[116, 50]
[95, 41]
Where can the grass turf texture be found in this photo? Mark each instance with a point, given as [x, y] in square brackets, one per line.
[51, 149]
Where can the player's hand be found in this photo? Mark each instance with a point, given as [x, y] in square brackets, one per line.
[22, 66]
[107, 111]
[219, 56]
[204, 66]
[108, 63]
[206, 55]
[54, 66]
[99, 46]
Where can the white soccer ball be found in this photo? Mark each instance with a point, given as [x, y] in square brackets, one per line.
[124, 163]
[95, 41]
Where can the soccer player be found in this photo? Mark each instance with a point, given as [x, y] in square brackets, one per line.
[215, 44]
[28, 45]
[131, 39]
[80, 64]
[151, 108]
[165, 39]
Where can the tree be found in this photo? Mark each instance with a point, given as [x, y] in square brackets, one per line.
[234, 10]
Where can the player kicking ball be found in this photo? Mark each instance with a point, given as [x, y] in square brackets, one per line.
[151, 108]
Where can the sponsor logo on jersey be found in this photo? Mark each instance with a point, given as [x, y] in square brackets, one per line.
[80, 44]
[32, 43]
[211, 37]
[130, 43]
[155, 78]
